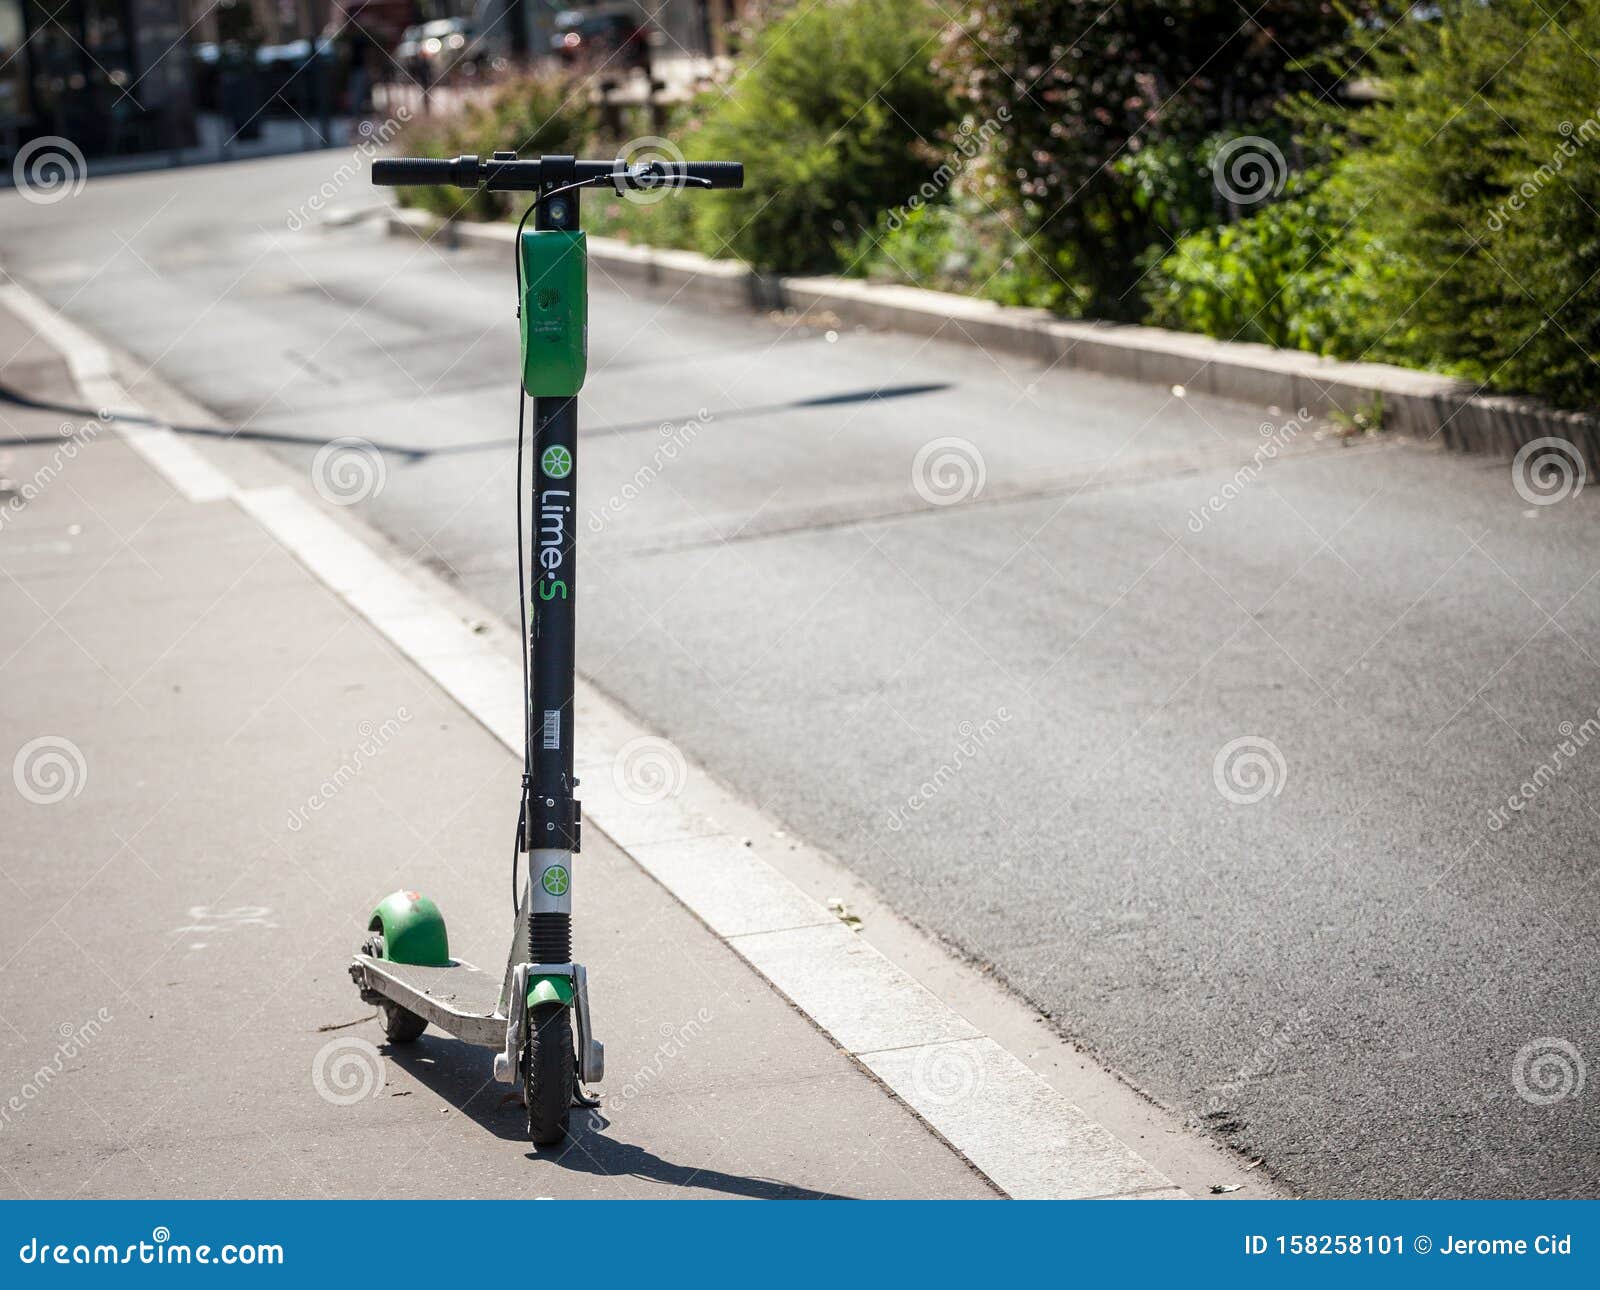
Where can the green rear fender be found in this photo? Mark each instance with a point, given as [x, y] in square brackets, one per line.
[413, 930]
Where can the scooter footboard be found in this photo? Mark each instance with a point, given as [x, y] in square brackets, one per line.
[459, 999]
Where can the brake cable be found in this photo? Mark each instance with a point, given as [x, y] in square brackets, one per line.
[522, 597]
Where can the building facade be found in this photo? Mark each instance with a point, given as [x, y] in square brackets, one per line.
[116, 77]
[110, 75]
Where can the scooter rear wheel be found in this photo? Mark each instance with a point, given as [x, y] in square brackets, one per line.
[549, 1073]
[400, 1025]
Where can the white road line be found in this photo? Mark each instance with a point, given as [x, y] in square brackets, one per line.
[91, 367]
[1009, 1122]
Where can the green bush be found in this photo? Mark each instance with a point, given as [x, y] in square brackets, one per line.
[959, 246]
[1479, 173]
[1300, 274]
[669, 222]
[1456, 230]
[439, 136]
[1451, 224]
[829, 110]
[526, 113]
[1105, 83]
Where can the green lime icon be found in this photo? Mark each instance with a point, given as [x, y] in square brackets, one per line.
[555, 880]
[556, 462]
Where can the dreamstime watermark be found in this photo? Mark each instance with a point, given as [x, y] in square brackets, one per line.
[1274, 440]
[648, 770]
[948, 1074]
[348, 470]
[1549, 470]
[675, 439]
[1573, 140]
[49, 769]
[1249, 769]
[969, 142]
[1548, 1070]
[73, 1040]
[948, 470]
[374, 739]
[374, 137]
[160, 1250]
[675, 1041]
[971, 743]
[1249, 169]
[1263, 1061]
[347, 1070]
[1573, 740]
[49, 169]
[74, 440]
[653, 148]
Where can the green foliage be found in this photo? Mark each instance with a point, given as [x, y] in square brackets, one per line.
[1456, 230]
[1170, 180]
[1299, 273]
[959, 246]
[648, 219]
[1451, 224]
[669, 222]
[1366, 419]
[527, 113]
[829, 110]
[1479, 172]
[1105, 82]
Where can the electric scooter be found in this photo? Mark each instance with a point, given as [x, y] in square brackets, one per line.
[404, 966]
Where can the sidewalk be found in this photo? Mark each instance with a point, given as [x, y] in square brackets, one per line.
[216, 769]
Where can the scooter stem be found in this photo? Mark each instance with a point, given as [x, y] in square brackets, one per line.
[552, 829]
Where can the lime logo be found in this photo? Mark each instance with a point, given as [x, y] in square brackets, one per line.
[555, 880]
[556, 462]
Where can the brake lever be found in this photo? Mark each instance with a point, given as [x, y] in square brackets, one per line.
[645, 177]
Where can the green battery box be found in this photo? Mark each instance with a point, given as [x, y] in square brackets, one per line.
[555, 312]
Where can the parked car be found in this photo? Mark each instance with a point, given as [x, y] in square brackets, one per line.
[614, 37]
[432, 50]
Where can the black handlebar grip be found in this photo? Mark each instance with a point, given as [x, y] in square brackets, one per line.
[403, 172]
[722, 174]
[719, 174]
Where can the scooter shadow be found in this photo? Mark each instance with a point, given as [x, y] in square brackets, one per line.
[459, 1074]
[464, 1077]
[588, 1150]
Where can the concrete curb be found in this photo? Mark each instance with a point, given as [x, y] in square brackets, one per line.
[1420, 404]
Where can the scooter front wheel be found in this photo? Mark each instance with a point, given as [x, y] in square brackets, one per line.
[549, 1074]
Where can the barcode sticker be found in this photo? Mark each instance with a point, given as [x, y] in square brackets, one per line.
[552, 728]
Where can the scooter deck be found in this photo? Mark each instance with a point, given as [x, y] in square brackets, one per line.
[460, 999]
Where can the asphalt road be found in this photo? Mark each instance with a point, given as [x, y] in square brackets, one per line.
[1015, 714]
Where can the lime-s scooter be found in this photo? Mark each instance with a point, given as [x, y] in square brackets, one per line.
[404, 966]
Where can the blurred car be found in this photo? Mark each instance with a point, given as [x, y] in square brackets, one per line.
[430, 51]
[614, 37]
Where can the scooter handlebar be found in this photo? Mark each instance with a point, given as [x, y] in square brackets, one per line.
[504, 174]
[716, 174]
[402, 172]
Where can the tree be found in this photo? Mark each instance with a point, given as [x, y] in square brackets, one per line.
[1094, 85]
